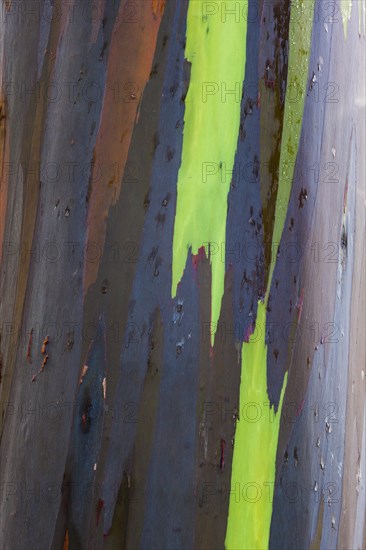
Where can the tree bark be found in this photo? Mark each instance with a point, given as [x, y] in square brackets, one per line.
[119, 410]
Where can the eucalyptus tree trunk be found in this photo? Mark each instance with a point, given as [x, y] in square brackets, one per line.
[182, 238]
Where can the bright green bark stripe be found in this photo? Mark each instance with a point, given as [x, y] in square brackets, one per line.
[255, 446]
[253, 469]
[216, 48]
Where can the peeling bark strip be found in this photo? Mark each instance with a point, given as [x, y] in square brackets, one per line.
[4, 152]
[21, 179]
[131, 50]
[254, 515]
[211, 125]
[273, 70]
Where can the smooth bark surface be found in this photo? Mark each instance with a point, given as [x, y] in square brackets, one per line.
[118, 416]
